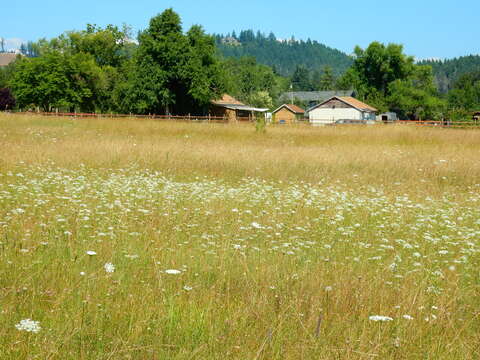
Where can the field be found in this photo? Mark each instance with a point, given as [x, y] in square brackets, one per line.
[140, 239]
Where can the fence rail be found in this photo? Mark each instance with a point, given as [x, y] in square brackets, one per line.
[129, 116]
[445, 123]
[221, 119]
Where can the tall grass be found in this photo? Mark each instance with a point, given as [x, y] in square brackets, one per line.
[285, 242]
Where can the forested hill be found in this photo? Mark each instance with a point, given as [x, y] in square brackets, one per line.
[448, 71]
[283, 55]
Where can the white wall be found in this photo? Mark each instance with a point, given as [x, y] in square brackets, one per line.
[329, 116]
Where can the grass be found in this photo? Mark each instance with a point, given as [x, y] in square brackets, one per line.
[286, 242]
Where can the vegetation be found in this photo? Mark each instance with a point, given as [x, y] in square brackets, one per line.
[464, 98]
[251, 82]
[447, 72]
[167, 70]
[7, 101]
[159, 240]
[388, 79]
[172, 71]
[282, 55]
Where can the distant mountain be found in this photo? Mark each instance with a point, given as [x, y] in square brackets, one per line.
[283, 55]
[448, 71]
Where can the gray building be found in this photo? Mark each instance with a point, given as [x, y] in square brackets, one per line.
[312, 98]
[387, 117]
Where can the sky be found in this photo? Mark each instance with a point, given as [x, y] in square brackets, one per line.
[427, 28]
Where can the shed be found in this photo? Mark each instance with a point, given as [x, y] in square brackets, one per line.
[233, 110]
[342, 110]
[387, 117]
[288, 113]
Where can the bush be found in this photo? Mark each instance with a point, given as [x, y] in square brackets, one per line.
[7, 101]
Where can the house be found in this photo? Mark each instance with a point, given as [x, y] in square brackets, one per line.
[342, 110]
[233, 110]
[288, 113]
[7, 58]
[387, 117]
[312, 98]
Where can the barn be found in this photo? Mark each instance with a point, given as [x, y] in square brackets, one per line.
[288, 114]
[233, 110]
[342, 110]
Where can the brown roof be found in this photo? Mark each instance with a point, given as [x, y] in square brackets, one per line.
[293, 108]
[227, 100]
[7, 58]
[357, 103]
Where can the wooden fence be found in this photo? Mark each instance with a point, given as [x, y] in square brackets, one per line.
[437, 123]
[220, 119]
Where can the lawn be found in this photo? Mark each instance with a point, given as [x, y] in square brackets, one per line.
[141, 239]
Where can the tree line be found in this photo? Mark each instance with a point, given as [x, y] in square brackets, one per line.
[168, 70]
[283, 55]
[165, 70]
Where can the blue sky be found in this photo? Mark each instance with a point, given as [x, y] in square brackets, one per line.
[427, 28]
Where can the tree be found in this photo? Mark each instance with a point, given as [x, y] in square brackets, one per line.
[201, 73]
[245, 79]
[324, 80]
[172, 71]
[465, 94]
[109, 46]
[376, 67]
[57, 80]
[301, 79]
[261, 99]
[388, 79]
[7, 101]
[105, 45]
[416, 97]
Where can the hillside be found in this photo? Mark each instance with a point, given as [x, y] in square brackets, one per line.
[282, 55]
[448, 71]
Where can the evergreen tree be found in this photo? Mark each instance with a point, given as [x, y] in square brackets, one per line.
[301, 79]
[326, 80]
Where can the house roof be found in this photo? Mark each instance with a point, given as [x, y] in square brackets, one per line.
[7, 58]
[315, 95]
[293, 108]
[355, 103]
[229, 102]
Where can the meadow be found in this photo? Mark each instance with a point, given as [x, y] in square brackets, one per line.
[142, 239]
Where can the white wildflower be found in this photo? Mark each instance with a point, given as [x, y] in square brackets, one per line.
[173, 272]
[187, 288]
[380, 318]
[109, 267]
[28, 325]
[91, 253]
[407, 317]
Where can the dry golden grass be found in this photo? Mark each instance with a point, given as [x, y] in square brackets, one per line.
[287, 241]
